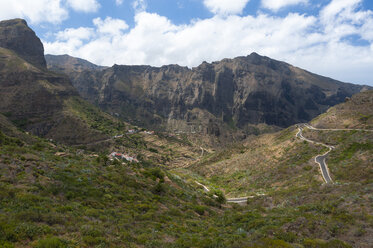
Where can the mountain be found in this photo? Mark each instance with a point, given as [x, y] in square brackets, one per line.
[38, 100]
[213, 98]
[15, 35]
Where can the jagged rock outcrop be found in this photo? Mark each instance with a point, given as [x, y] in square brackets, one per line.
[214, 96]
[15, 35]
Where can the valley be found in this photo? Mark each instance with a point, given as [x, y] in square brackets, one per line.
[243, 152]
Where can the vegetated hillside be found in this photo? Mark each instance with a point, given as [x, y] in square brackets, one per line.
[213, 98]
[356, 112]
[280, 172]
[58, 196]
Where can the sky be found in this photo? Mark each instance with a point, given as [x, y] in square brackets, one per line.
[333, 38]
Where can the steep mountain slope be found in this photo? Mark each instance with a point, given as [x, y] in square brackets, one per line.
[38, 100]
[356, 112]
[15, 35]
[211, 98]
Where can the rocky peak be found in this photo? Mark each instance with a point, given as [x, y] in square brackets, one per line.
[16, 35]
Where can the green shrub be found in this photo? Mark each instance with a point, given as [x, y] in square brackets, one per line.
[154, 173]
[159, 188]
[272, 243]
[51, 242]
[287, 236]
[94, 241]
[318, 243]
[220, 196]
[153, 150]
[38, 146]
[5, 244]
[29, 231]
[199, 209]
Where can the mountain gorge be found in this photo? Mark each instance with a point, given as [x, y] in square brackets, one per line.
[209, 99]
[66, 179]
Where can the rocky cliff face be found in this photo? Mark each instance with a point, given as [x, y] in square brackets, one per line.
[32, 97]
[232, 93]
[15, 35]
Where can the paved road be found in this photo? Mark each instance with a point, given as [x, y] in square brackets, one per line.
[204, 187]
[334, 129]
[240, 200]
[319, 159]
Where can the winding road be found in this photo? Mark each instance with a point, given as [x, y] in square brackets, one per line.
[240, 200]
[319, 159]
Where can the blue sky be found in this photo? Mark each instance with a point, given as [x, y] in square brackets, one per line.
[333, 38]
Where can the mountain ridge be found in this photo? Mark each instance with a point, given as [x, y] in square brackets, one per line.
[212, 98]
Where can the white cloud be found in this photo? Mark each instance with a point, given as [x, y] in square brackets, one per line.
[118, 2]
[84, 5]
[312, 42]
[156, 40]
[71, 39]
[110, 26]
[139, 5]
[75, 33]
[225, 7]
[36, 11]
[275, 5]
[341, 18]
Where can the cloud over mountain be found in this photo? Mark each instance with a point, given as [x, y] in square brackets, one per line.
[320, 43]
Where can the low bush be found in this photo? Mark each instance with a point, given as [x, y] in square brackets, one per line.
[51, 242]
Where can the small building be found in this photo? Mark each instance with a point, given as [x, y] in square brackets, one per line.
[149, 132]
[131, 131]
[120, 156]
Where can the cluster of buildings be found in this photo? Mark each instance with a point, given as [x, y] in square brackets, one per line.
[121, 156]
